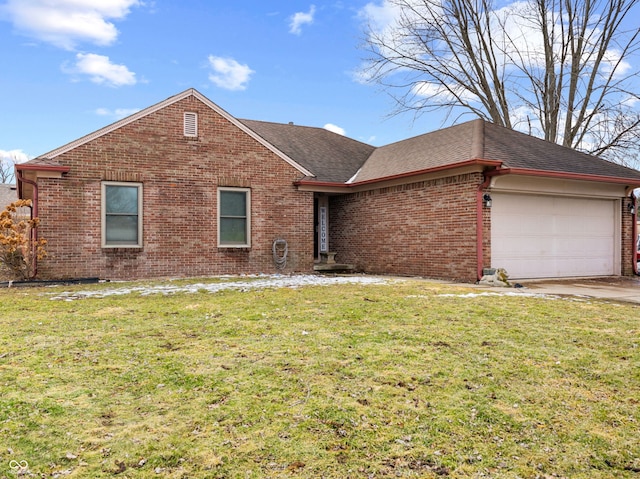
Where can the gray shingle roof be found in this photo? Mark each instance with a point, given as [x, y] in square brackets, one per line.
[482, 140]
[43, 162]
[8, 195]
[331, 157]
[518, 150]
[334, 158]
[431, 150]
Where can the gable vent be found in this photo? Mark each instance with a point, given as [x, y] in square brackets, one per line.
[190, 124]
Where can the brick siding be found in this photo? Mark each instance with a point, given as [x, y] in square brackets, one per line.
[426, 229]
[628, 241]
[179, 176]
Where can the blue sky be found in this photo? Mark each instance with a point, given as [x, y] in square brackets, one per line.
[73, 66]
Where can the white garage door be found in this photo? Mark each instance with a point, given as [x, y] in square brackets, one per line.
[550, 236]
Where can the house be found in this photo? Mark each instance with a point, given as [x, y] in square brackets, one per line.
[8, 195]
[183, 188]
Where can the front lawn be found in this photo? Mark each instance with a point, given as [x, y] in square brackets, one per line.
[403, 379]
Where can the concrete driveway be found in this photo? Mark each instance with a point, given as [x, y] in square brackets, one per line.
[625, 289]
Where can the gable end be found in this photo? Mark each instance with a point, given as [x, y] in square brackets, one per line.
[147, 111]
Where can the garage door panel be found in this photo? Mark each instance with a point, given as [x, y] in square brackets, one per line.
[546, 236]
[567, 246]
[570, 226]
[596, 247]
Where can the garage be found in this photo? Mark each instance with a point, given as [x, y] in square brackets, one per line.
[540, 236]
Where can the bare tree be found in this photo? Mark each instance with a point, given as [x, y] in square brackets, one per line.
[8, 161]
[7, 167]
[557, 69]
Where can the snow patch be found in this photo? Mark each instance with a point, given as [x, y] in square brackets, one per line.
[241, 284]
[518, 294]
[486, 293]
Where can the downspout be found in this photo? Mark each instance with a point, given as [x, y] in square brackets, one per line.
[480, 225]
[34, 214]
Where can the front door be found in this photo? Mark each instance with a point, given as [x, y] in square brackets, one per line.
[321, 221]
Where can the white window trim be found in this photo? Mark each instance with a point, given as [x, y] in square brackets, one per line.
[248, 195]
[190, 127]
[103, 214]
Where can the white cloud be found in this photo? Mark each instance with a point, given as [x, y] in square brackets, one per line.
[102, 71]
[362, 76]
[228, 73]
[335, 129]
[118, 113]
[381, 16]
[65, 23]
[17, 156]
[301, 18]
[513, 27]
[629, 101]
[440, 93]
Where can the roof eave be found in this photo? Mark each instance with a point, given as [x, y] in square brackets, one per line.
[634, 182]
[344, 187]
[37, 167]
[33, 170]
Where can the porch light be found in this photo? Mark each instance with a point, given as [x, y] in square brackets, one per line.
[631, 208]
[487, 200]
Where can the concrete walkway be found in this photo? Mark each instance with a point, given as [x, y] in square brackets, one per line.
[625, 289]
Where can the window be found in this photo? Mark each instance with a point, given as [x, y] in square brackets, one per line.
[190, 124]
[234, 221]
[121, 215]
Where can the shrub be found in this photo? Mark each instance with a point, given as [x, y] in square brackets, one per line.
[20, 249]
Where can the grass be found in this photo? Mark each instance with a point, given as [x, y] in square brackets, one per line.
[393, 380]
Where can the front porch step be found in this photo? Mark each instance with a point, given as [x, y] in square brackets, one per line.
[331, 267]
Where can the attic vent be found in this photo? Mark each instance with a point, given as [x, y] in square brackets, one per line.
[190, 124]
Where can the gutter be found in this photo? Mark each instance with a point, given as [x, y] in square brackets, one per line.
[562, 175]
[498, 171]
[409, 174]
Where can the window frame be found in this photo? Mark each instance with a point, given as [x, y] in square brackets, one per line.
[247, 217]
[103, 215]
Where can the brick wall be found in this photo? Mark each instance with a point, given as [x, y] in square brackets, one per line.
[421, 229]
[179, 176]
[628, 241]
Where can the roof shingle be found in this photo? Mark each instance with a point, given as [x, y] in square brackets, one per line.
[8, 195]
[518, 150]
[481, 140]
[331, 157]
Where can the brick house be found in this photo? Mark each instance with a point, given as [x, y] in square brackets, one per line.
[183, 188]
